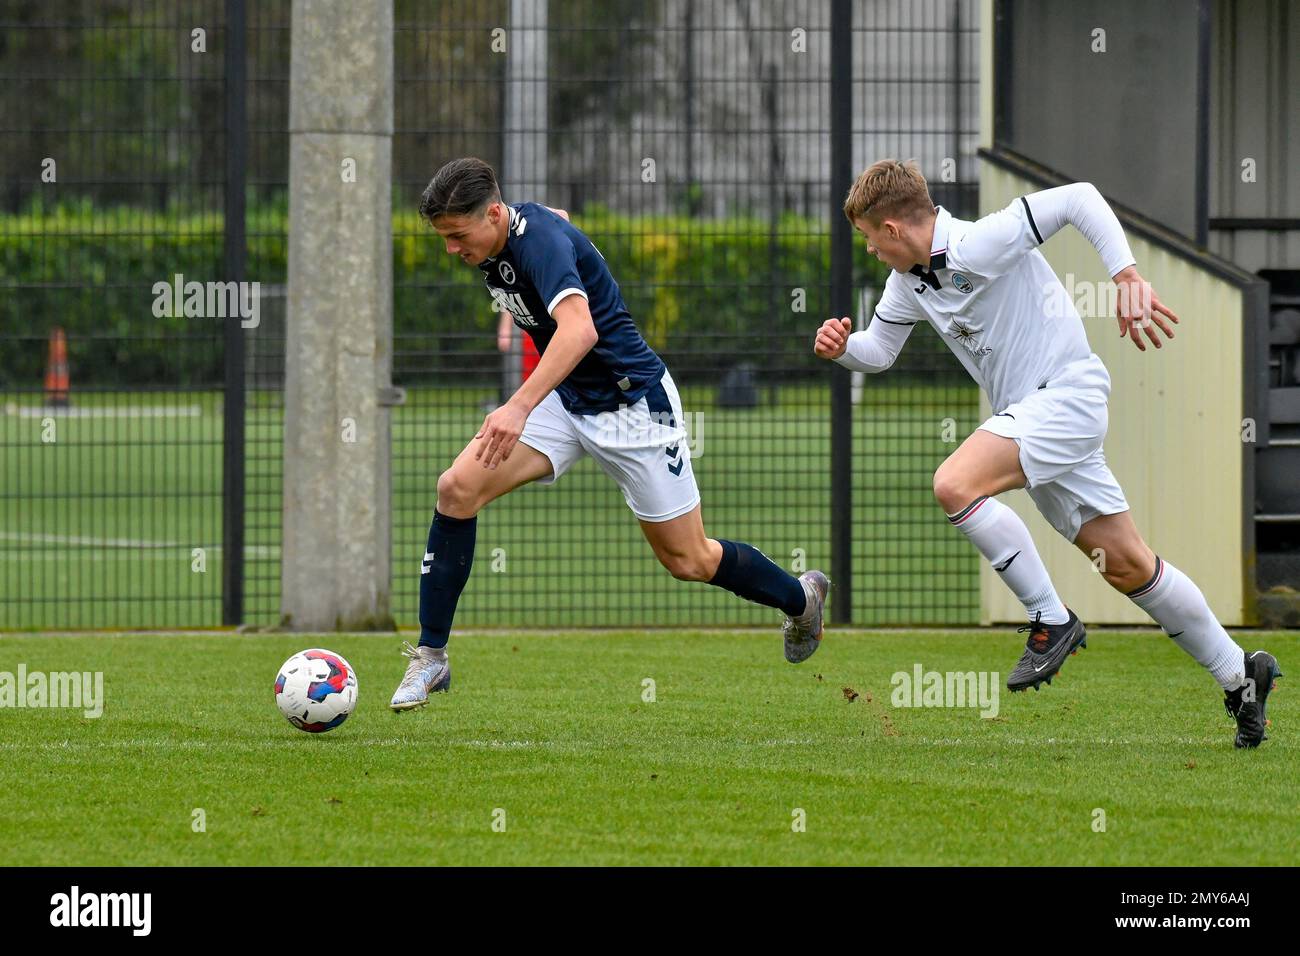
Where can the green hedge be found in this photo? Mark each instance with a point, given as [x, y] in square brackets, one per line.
[707, 293]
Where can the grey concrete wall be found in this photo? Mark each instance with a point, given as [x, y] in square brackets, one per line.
[1123, 119]
[1255, 112]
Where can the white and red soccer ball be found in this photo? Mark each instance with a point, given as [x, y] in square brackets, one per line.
[316, 690]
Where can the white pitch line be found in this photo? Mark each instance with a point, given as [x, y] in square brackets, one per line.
[104, 411]
[277, 744]
[83, 541]
[36, 537]
[273, 744]
[251, 553]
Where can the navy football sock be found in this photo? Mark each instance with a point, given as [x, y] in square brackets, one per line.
[447, 562]
[746, 571]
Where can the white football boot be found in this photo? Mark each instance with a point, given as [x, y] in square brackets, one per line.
[428, 673]
[803, 633]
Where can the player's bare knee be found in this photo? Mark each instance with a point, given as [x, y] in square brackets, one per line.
[458, 497]
[952, 493]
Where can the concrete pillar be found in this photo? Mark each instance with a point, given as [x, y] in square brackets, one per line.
[523, 173]
[524, 169]
[338, 344]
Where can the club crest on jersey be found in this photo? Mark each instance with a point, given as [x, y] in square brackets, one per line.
[507, 273]
[962, 284]
[965, 336]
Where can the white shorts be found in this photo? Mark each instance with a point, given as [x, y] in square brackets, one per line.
[642, 446]
[1060, 430]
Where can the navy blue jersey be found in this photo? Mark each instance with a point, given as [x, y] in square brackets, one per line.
[546, 259]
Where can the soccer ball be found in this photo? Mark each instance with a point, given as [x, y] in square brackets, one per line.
[316, 690]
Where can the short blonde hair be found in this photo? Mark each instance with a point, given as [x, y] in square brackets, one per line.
[890, 188]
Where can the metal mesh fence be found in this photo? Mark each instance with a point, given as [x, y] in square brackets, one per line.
[689, 140]
[267, 35]
[112, 146]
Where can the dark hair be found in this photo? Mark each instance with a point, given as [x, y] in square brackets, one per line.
[460, 188]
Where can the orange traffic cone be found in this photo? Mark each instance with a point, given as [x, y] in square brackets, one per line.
[56, 369]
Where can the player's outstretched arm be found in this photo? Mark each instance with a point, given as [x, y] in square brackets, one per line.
[1138, 309]
[872, 350]
[574, 337]
[1081, 205]
[997, 242]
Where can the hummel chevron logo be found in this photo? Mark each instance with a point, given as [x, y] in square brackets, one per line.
[1006, 564]
[426, 565]
[671, 451]
[676, 467]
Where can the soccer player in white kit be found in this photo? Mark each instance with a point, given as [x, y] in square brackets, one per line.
[997, 304]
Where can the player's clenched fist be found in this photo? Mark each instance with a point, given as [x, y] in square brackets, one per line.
[833, 338]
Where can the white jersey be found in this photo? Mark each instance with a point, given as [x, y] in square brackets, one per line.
[995, 301]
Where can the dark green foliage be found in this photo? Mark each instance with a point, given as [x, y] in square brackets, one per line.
[706, 293]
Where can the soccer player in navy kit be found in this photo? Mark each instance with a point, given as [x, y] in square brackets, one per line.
[598, 390]
[999, 307]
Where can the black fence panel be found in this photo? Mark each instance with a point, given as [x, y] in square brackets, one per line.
[691, 141]
[112, 154]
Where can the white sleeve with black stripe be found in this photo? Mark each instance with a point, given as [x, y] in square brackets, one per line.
[875, 348]
[994, 244]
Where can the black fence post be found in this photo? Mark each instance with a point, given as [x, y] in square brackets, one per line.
[841, 302]
[1003, 118]
[232, 471]
[958, 197]
[1204, 28]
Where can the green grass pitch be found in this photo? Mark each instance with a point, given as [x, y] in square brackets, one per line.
[552, 729]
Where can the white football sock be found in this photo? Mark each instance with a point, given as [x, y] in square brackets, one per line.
[1003, 538]
[1179, 607]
